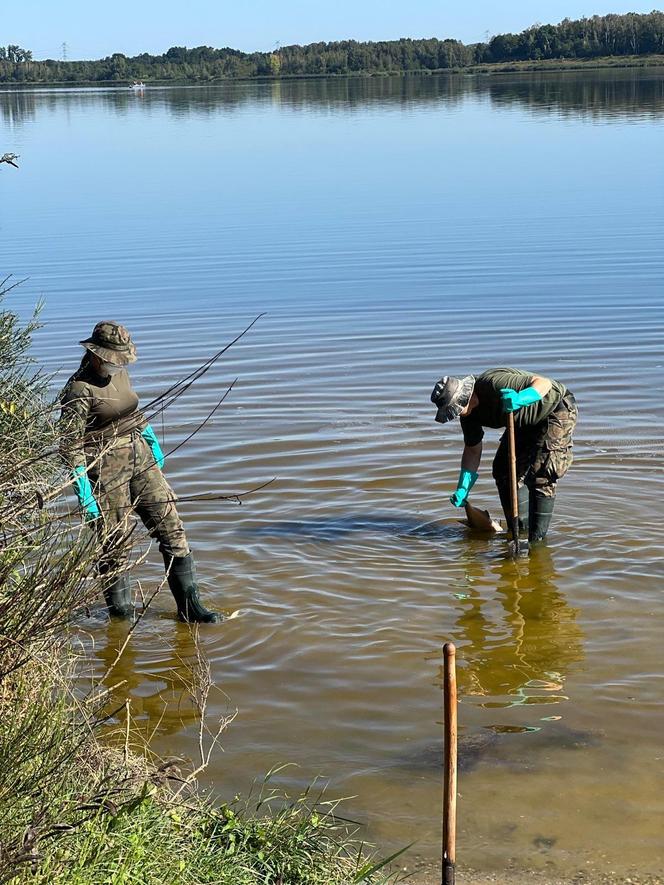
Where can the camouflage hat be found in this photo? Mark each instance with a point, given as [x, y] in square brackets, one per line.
[112, 343]
[451, 395]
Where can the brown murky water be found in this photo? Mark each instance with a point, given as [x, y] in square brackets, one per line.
[391, 232]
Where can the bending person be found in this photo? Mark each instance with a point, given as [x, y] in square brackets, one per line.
[545, 414]
[116, 463]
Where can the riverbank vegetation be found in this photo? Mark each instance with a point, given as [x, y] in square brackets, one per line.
[82, 799]
[600, 37]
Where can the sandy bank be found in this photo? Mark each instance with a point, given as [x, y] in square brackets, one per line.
[431, 876]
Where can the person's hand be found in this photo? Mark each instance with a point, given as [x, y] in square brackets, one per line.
[467, 480]
[150, 437]
[459, 497]
[91, 511]
[513, 400]
[86, 500]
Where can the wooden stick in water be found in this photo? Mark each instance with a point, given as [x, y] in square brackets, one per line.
[450, 764]
[514, 493]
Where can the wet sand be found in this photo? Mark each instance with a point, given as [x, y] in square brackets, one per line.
[432, 876]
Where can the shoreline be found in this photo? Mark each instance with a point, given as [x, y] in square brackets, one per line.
[467, 876]
[619, 62]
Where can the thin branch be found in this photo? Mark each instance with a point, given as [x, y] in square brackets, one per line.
[188, 380]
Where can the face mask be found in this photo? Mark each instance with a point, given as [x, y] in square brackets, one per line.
[451, 396]
[110, 369]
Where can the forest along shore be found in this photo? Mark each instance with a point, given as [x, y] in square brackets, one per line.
[601, 38]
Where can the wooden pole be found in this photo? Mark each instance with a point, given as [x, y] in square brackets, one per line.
[514, 492]
[450, 764]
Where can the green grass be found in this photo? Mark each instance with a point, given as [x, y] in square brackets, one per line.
[106, 830]
[150, 844]
[566, 64]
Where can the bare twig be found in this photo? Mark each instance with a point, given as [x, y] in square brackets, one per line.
[208, 738]
[168, 396]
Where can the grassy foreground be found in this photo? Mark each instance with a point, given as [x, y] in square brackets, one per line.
[77, 805]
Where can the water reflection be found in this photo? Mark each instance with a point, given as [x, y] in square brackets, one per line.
[598, 94]
[521, 653]
[155, 673]
[17, 107]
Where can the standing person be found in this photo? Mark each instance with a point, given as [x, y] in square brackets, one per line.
[545, 414]
[116, 463]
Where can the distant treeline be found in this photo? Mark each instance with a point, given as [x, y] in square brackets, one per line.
[586, 38]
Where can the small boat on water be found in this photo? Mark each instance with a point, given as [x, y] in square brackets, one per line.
[137, 86]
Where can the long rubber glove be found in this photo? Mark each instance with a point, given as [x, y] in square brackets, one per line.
[513, 400]
[151, 439]
[86, 500]
[467, 480]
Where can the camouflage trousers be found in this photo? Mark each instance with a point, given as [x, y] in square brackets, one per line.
[126, 481]
[543, 451]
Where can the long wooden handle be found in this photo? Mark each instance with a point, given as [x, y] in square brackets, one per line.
[450, 763]
[514, 493]
[514, 500]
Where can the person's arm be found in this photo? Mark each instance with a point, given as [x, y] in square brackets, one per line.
[541, 384]
[470, 462]
[513, 400]
[75, 404]
[471, 457]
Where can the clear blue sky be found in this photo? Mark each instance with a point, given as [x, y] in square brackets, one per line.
[95, 29]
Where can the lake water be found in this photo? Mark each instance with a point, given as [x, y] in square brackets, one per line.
[390, 231]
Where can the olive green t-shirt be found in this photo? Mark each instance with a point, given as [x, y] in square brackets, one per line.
[489, 410]
[96, 410]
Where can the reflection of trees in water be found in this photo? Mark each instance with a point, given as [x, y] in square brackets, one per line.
[157, 685]
[593, 93]
[608, 93]
[16, 107]
[522, 638]
[596, 93]
[358, 92]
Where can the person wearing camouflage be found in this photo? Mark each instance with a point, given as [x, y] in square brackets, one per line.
[545, 415]
[116, 463]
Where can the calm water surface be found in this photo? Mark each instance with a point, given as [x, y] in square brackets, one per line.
[391, 231]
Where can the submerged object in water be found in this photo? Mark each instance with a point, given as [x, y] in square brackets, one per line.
[502, 746]
[481, 520]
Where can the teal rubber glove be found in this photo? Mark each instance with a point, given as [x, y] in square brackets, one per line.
[467, 480]
[83, 489]
[513, 400]
[151, 439]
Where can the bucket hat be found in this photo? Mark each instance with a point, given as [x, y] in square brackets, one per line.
[451, 395]
[112, 343]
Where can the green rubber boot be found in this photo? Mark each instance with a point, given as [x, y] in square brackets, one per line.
[117, 594]
[184, 587]
[522, 497]
[541, 514]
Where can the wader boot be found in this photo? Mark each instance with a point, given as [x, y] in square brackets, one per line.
[184, 587]
[541, 513]
[523, 498]
[118, 597]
